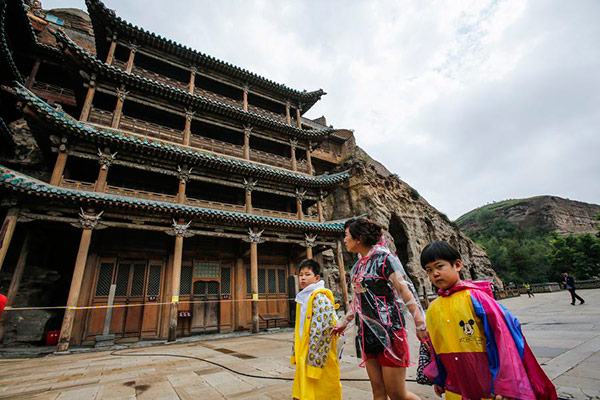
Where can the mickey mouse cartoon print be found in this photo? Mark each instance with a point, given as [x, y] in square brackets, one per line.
[467, 327]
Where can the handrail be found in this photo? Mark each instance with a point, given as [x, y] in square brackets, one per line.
[130, 124]
[144, 194]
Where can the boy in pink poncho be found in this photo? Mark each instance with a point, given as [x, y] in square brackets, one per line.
[480, 350]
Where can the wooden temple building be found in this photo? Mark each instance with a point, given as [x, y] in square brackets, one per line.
[191, 184]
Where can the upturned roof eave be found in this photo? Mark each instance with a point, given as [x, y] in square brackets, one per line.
[86, 60]
[61, 121]
[102, 16]
[15, 181]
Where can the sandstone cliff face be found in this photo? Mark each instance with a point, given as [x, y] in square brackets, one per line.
[410, 222]
[552, 213]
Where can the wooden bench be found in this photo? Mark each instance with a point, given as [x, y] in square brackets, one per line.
[271, 317]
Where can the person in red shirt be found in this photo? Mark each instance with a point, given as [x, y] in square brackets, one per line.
[2, 303]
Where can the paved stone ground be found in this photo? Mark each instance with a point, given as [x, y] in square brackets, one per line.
[565, 339]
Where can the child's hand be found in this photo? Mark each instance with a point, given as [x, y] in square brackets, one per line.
[438, 390]
[500, 397]
[338, 330]
[422, 335]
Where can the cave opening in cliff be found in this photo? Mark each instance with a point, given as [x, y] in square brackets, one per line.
[398, 233]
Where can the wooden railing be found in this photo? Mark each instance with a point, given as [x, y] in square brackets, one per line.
[169, 198]
[215, 96]
[53, 89]
[104, 118]
[152, 75]
[71, 184]
[202, 92]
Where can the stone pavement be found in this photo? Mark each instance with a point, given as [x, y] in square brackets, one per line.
[565, 339]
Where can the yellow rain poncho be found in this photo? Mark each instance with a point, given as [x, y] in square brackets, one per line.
[314, 353]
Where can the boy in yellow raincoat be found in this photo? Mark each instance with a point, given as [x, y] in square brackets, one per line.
[314, 353]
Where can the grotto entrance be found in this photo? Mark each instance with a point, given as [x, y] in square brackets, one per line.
[398, 233]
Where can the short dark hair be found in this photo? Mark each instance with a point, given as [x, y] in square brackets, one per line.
[366, 230]
[310, 264]
[439, 250]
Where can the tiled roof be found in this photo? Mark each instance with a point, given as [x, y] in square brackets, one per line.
[196, 101]
[68, 125]
[19, 182]
[103, 17]
[6, 54]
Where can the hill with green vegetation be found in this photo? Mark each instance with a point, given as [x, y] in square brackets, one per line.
[535, 239]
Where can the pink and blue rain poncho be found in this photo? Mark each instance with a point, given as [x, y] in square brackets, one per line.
[480, 350]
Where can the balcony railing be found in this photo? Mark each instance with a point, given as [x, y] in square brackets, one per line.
[104, 118]
[58, 93]
[135, 125]
[169, 198]
[202, 92]
[152, 75]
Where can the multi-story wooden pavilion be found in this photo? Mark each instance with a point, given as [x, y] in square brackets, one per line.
[191, 184]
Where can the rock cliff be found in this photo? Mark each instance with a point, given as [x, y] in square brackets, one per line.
[410, 222]
[551, 213]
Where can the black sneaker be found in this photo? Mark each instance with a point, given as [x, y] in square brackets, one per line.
[572, 304]
[581, 302]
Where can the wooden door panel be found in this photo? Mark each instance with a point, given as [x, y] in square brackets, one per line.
[116, 321]
[96, 321]
[198, 323]
[212, 316]
[133, 320]
[150, 318]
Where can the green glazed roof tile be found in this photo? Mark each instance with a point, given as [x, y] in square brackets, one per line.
[49, 114]
[194, 100]
[13, 180]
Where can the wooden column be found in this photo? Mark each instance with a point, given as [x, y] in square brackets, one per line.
[88, 222]
[61, 162]
[249, 185]
[293, 144]
[15, 282]
[31, 78]
[121, 95]
[254, 239]
[245, 97]
[105, 160]
[308, 158]
[179, 230]
[187, 129]
[299, 198]
[299, 118]
[309, 253]
[342, 269]
[254, 279]
[183, 174]
[7, 231]
[240, 294]
[111, 51]
[132, 50]
[320, 208]
[192, 85]
[89, 98]
[247, 133]
[288, 117]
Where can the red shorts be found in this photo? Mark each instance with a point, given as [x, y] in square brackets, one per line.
[400, 357]
[383, 360]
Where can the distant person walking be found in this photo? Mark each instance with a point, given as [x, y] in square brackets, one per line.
[569, 282]
[527, 287]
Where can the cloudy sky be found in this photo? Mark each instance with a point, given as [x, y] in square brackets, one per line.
[467, 101]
